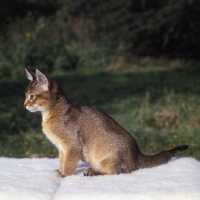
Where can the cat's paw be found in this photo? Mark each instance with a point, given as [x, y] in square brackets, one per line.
[60, 173]
[57, 170]
[91, 172]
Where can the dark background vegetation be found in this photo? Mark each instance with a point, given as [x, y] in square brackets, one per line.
[137, 60]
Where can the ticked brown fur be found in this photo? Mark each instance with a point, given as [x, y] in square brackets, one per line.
[83, 133]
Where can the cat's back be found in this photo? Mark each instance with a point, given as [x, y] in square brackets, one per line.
[98, 122]
[94, 116]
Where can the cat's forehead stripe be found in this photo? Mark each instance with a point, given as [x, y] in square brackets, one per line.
[31, 85]
[34, 87]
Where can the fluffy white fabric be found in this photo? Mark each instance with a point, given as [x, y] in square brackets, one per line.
[34, 179]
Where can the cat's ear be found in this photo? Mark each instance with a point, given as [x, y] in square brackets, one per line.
[42, 79]
[30, 75]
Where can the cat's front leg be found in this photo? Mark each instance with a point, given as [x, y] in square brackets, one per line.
[60, 163]
[61, 157]
[68, 161]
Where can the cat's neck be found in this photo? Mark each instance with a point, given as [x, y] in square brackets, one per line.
[56, 108]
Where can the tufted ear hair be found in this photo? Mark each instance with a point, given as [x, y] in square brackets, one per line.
[42, 79]
[30, 75]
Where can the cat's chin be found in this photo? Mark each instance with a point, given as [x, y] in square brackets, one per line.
[32, 109]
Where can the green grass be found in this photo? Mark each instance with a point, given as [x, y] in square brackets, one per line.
[159, 106]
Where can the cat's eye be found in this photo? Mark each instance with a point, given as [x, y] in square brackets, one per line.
[31, 97]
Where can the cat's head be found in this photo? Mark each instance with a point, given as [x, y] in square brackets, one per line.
[38, 93]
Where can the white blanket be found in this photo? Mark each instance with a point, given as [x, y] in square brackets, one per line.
[34, 179]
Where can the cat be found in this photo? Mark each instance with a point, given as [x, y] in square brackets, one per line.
[84, 133]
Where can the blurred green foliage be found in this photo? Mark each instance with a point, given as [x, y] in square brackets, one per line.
[66, 34]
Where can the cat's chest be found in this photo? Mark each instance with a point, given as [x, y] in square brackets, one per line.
[50, 131]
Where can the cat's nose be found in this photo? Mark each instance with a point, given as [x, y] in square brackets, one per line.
[25, 103]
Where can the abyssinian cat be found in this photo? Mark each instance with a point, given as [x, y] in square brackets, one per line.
[83, 133]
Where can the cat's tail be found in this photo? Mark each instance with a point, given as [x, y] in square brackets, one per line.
[159, 158]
